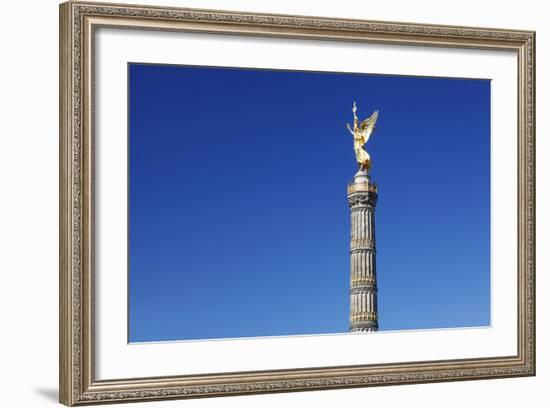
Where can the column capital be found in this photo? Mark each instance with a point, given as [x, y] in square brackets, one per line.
[362, 199]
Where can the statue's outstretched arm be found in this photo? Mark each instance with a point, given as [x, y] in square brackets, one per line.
[350, 130]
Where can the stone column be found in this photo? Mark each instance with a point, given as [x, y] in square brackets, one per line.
[362, 196]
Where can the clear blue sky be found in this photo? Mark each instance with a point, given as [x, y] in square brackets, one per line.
[238, 216]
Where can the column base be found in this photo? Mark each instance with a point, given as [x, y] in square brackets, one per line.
[364, 329]
[364, 325]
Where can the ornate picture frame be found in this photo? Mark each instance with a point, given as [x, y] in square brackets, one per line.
[78, 24]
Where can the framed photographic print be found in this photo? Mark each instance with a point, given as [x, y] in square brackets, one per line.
[256, 203]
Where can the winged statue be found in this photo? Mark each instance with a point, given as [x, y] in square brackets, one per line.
[362, 131]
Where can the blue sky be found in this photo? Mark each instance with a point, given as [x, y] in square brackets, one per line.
[238, 216]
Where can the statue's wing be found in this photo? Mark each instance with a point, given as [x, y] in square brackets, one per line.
[367, 126]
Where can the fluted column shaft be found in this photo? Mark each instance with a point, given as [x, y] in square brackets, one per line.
[362, 197]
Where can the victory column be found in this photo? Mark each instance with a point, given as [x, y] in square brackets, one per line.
[362, 195]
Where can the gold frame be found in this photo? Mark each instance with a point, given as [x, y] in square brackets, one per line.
[78, 21]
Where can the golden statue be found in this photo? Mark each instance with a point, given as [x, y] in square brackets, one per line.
[361, 133]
